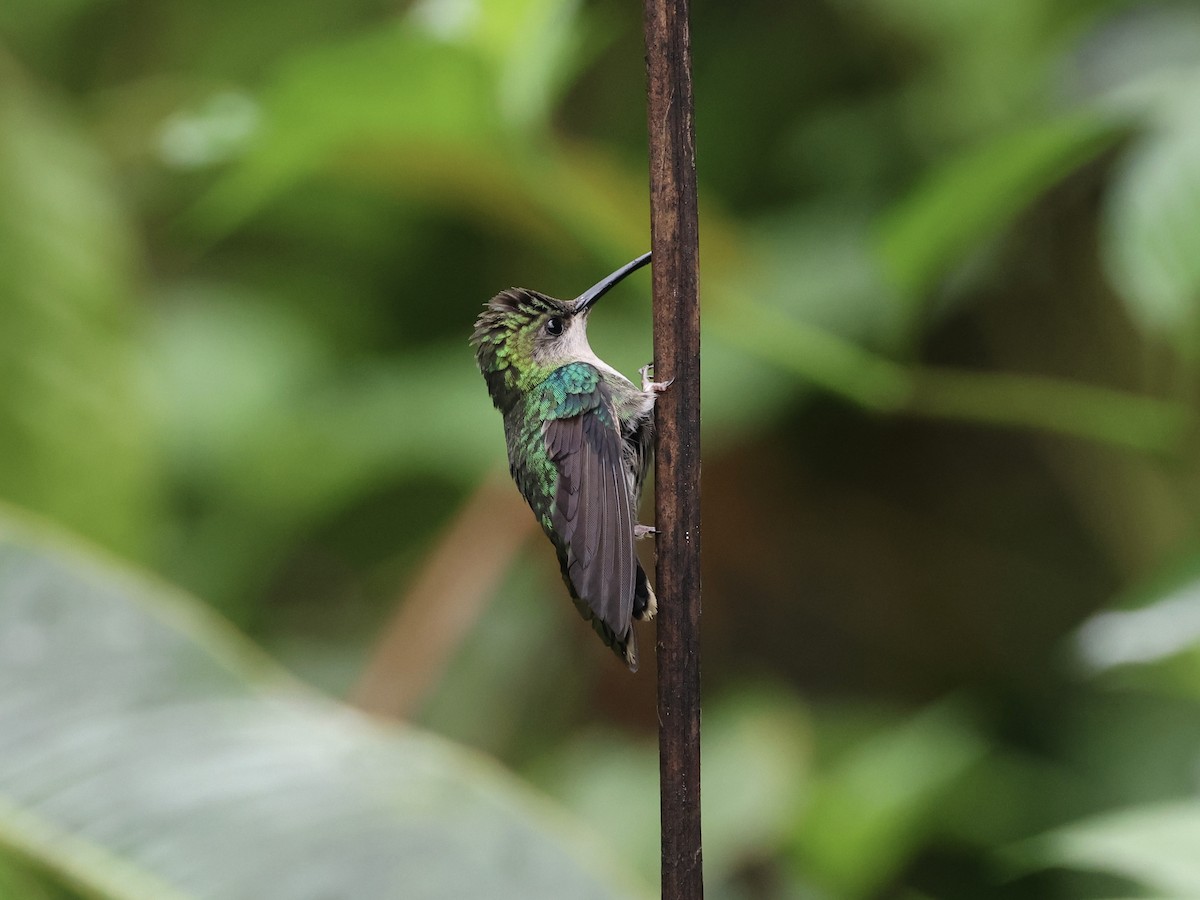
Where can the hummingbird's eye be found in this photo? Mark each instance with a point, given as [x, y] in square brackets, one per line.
[554, 326]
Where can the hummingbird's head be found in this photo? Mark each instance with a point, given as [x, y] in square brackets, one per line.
[522, 335]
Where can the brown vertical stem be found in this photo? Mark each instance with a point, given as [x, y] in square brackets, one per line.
[675, 243]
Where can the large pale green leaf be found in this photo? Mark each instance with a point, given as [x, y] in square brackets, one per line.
[72, 435]
[1153, 845]
[19, 881]
[147, 751]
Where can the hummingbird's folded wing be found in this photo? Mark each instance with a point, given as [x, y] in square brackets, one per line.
[592, 513]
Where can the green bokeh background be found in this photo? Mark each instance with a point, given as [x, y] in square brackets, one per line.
[951, 293]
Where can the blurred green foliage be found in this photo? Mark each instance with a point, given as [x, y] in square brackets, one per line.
[951, 282]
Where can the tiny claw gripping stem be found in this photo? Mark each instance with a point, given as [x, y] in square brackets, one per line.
[644, 371]
[641, 531]
[656, 386]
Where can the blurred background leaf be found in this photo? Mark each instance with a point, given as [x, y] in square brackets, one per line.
[1153, 244]
[1152, 846]
[67, 274]
[754, 783]
[870, 810]
[971, 199]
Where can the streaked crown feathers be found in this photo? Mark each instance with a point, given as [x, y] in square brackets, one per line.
[506, 334]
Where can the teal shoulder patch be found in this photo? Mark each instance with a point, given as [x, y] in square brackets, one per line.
[570, 390]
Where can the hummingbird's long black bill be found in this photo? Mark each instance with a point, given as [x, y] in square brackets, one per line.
[604, 285]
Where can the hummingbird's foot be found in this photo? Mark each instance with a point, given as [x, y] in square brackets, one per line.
[641, 531]
[656, 386]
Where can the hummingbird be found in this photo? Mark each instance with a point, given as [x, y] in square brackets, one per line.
[579, 437]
